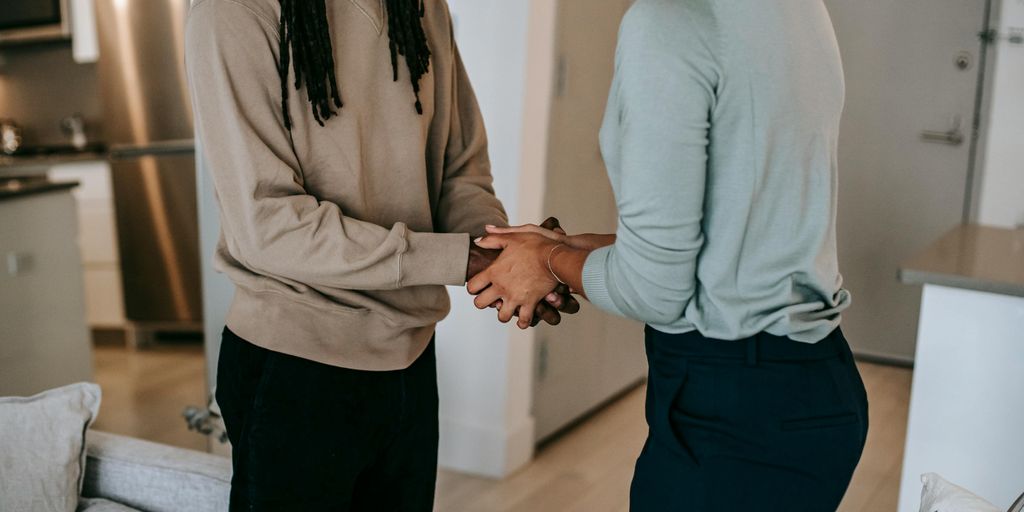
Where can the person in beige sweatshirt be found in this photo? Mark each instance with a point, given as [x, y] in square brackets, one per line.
[350, 164]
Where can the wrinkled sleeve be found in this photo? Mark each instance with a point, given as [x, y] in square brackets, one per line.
[663, 94]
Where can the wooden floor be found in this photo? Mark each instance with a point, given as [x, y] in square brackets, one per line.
[145, 392]
[587, 469]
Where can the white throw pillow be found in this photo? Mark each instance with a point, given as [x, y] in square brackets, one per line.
[42, 448]
[939, 495]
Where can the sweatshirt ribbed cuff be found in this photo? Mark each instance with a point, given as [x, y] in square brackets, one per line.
[435, 259]
[595, 280]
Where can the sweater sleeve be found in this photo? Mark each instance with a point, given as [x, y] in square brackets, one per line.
[272, 225]
[663, 96]
[467, 201]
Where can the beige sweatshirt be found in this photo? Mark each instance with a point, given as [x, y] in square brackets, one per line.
[340, 239]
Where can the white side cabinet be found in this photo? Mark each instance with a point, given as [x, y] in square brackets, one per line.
[97, 228]
[44, 340]
[966, 418]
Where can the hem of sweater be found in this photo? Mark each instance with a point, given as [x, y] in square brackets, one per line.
[805, 332]
[595, 280]
[810, 332]
[357, 339]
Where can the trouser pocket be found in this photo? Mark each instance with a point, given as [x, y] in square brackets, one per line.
[240, 368]
[836, 402]
[663, 390]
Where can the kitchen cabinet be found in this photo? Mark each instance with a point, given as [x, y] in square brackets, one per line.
[44, 339]
[97, 238]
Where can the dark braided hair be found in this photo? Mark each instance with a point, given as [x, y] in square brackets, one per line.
[306, 48]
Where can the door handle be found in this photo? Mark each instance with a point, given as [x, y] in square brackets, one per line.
[952, 137]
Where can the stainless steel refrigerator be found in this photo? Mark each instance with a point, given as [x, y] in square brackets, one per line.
[148, 124]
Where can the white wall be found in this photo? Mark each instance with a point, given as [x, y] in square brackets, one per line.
[1001, 200]
[484, 367]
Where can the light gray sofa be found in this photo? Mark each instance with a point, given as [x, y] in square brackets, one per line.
[126, 474]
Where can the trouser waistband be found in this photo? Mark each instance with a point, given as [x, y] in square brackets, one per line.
[760, 347]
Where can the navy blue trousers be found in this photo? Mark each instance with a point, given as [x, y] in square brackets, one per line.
[766, 424]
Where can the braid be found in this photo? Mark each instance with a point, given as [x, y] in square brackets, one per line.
[306, 48]
[408, 39]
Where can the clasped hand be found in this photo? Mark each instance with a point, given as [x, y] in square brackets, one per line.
[517, 280]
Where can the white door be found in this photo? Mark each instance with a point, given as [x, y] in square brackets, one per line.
[912, 71]
[592, 356]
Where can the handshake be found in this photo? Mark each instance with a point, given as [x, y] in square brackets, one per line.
[510, 269]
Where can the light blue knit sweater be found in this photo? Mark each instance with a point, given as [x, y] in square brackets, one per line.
[720, 140]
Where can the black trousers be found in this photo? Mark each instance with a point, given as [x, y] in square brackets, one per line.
[308, 436]
[765, 424]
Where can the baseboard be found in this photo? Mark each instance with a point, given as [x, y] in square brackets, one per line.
[484, 450]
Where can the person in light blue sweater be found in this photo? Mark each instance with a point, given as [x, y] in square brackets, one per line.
[720, 139]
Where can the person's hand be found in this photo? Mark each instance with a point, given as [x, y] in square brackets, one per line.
[479, 260]
[586, 241]
[560, 301]
[519, 277]
[561, 298]
[550, 229]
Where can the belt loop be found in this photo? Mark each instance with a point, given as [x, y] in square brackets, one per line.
[752, 351]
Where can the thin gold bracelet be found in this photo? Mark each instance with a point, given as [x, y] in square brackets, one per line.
[550, 268]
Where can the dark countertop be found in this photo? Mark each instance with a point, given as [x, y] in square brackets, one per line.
[14, 188]
[972, 257]
[43, 158]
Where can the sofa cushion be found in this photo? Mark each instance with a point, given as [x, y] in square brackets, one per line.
[102, 505]
[155, 477]
[42, 448]
[1018, 506]
[938, 495]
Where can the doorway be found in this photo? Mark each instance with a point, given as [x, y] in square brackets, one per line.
[913, 73]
